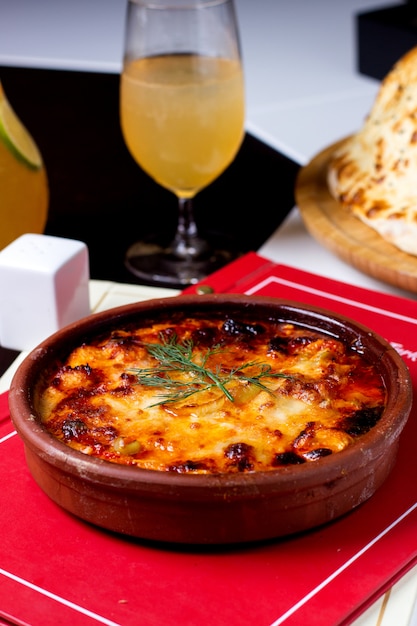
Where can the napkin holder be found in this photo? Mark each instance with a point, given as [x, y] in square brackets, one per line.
[44, 285]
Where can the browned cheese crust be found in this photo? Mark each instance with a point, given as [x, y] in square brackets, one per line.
[292, 396]
[374, 173]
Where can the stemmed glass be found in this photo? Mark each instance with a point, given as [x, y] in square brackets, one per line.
[182, 117]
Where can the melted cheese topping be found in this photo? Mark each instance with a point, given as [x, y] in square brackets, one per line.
[291, 395]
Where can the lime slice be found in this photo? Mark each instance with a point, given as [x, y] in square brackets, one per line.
[15, 136]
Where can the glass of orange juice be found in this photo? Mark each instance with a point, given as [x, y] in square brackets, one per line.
[24, 192]
[182, 116]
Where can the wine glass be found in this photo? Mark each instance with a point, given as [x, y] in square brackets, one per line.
[182, 117]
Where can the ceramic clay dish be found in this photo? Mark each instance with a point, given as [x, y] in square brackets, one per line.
[209, 508]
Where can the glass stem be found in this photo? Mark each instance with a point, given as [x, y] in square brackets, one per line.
[187, 244]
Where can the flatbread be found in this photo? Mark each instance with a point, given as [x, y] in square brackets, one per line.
[374, 172]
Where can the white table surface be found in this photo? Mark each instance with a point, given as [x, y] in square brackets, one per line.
[303, 93]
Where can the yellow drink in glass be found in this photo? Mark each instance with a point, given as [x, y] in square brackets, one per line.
[24, 194]
[182, 118]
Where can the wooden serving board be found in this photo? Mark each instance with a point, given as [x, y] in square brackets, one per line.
[344, 234]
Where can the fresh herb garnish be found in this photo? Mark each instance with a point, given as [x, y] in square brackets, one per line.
[179, 357]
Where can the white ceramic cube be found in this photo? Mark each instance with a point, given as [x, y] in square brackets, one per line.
[43, 287]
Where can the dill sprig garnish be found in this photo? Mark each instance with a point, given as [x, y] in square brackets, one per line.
[176, 357]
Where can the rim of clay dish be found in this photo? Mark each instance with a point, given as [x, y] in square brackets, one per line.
[365, 450]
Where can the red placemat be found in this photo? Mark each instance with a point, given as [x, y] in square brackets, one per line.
[56, 569]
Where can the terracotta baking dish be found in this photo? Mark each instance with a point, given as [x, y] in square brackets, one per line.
[222, 508]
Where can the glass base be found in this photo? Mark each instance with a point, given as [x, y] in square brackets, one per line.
[157, 265]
